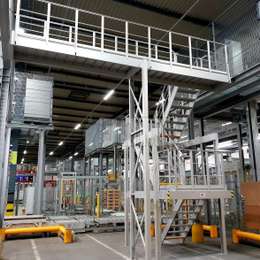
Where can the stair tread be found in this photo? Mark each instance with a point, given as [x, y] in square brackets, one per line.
[174, 237]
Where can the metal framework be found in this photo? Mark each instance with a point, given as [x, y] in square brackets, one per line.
[109, 39]
[156, 168]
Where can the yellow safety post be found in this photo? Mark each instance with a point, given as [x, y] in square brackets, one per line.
[9, 209]
[197, 233]
[60, 230]
[213, 230]
[237, 234]
[98, 205]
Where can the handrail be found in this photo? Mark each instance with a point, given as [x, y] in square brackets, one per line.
[122, 20]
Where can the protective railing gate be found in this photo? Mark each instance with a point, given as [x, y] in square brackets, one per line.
[79, 28]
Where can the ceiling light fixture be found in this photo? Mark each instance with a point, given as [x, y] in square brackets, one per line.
[227, 123]
[60, 143]
[24, 152]
[77, 126]
[109, 94]
[70, 157]
[51, 153]
[75, 154]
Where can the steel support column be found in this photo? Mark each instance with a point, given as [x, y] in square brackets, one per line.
[208, 202]
[253, 141]
[241, 154]
[146, 174]
[4, 184]
[131, 174]
[40, 174]
[222, 221]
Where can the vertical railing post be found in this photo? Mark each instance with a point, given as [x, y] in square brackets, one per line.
[70, 34]
[116, 42]
[17, 21]
[102, 32]
[170, 47]
[136, 48]
[149, 42]
[76, 29]
[156, 51]
[47, 29]
[94, 39]
[209, 58]
[190, 51]
[126, 38]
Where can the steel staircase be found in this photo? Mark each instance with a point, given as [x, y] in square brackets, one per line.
[172, 113]
[178, 225]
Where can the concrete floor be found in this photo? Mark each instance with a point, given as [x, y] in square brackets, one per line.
[110, 246]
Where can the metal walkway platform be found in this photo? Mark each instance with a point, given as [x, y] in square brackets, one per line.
[102, 39]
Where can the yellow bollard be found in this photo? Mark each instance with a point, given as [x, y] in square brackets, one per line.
[213, 230]
[98, 205]
[152, 230]
[197, 233]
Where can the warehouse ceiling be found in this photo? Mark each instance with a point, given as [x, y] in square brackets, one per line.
[79, 88]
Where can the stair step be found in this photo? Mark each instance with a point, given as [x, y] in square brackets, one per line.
[176, 231]
[188, 91]
[176, 122]
[185, 99]
[173, 129]
[179, 115]
[174, 237]
[182, 107]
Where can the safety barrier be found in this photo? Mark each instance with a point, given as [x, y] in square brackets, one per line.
[60, 230]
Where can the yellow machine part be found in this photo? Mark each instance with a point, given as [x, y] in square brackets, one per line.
[197, 233]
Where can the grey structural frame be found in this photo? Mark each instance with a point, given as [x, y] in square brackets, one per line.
[143, 135]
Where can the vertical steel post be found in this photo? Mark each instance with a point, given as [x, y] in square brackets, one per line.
[126, 191]
[38, 192]
[209, 58]
[223, 226]
[131, 173]
[156, 199]
[76, 29]
[101, 183]
[190, 51]
[253, 141]
[170, 47]
[149, 42]
[146, 174]
[102, 32]
[241, 154]
[4, 105]
[126, 38]
[17, 20]
[4, 184]
[47, 32]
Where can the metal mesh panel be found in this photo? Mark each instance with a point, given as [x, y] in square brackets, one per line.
[242, 36]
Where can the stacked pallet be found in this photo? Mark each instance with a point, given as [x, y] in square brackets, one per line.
[111, 199]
